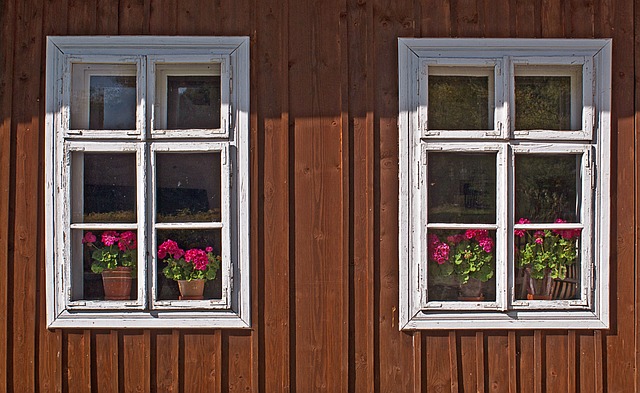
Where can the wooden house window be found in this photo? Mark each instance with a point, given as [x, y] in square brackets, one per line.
[147, 141]
[504, 183]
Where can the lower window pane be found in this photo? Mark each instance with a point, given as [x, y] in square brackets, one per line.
[547, 264]
[106, 267]
[547, 187]
[461, 265]
[189, 254]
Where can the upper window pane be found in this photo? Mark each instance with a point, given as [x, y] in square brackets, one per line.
[188, 96]
[547, 187]
[462, 187]
[460, 98]
[103, 97]
[108, 185]
[188, 187]
[548, 98]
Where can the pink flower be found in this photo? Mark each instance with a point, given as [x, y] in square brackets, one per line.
[486, 243]
[539, 240]
[524, 221]
[209, 249]
[109, 238]
[170, 247]
[521, 232]
[127, 241]
[198, 257]
[89, 238]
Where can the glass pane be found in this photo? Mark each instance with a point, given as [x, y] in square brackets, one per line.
[103, 97]
[188, 187]
[547, 264]
[193, 102]
[112, 103]
[461, 265]
[207, 241]
[547, 98]
[109, 187]
[101, 251]
[460, 102]
[547, 187]
[462, 187]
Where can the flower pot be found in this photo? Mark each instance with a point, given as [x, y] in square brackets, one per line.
[191, 290]
[471, 291]
[117, 283]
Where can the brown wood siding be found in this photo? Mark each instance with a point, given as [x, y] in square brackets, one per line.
[324, 208]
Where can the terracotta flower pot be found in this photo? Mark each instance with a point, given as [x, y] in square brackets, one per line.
[117, 283]
[191, 290]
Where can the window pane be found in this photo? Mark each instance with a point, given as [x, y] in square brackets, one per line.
[104, 97]
[186, 239]
[547, 264]
[188, 187]
[547, 187]
[104, 250]
[548, 98]
[462, 187]
[461, 265]
[193, 102]
[460, 102]
[108, 187]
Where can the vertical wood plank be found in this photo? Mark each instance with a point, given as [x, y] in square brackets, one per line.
[497, 19]
[189, 17]
[556, 362]
[435, 20]
[236, 361]
[571, 361]
[7, 28]
[527, 20]
[466, 346]
[104, 361]
[599, 375]
[620, 357]
[581, 18]
[538, 362]
[77, 361]
[513, 361]
[468, 18]
[453, 361]
[480, 362]
[163, 17]
[272, 167]
[552, 16]
[82, 17]
[134, 362]
[131, 17]
[167, 357]
[394, 349]
[202, 362]
[438, 368]
[106, 17]
[315, 109]
[23, 279]
[526, 362]
[498, 357]
[360, 94]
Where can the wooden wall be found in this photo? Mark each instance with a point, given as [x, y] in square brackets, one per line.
[324, 186]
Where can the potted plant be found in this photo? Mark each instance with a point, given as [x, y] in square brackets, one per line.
[115, 257]
[191, 268]
[544, 256]
[468, 257]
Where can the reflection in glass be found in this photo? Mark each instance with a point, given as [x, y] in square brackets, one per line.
[543, 103]
[188, 187]
[547, 187]
[112, 103]
[92, 284]
[187, 239]
[459, 103]
[547, 263]
[193, 102]
[109, 187]
[461, 265]
[461, 187]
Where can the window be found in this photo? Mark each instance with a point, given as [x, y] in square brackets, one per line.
[504, 183]
[147, 141]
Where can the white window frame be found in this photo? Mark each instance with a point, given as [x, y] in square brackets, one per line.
[231, 140]
[592, 142]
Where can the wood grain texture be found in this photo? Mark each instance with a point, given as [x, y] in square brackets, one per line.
[556, 361]
[104, 361]
[438, 367]
[236, 364]
[7, 37]
[467, 361]
[166, 361]
[134, 361]
[76, 359]
[201, 358]
[497, 360]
